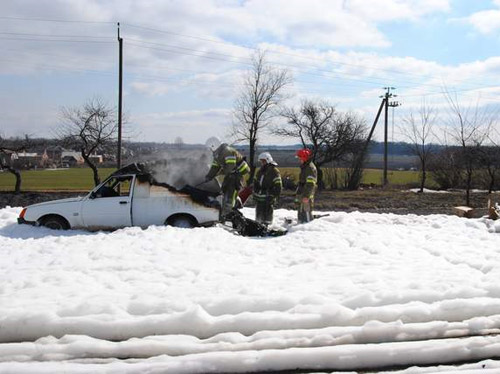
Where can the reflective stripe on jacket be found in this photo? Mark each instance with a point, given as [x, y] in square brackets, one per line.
[307, 181]
[267, 182]
[226, 160]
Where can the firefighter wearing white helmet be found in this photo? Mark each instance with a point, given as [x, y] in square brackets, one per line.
[267, 188]
[229, 162]
[213, 143]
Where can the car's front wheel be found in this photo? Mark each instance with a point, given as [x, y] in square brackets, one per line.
[54, 223]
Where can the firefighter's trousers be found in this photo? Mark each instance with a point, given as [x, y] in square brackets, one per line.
[264, 211]
[304, 213]
[230, 188]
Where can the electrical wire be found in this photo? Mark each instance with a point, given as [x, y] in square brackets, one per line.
[57, 40]
[377, 83]
[391, 71]
[55, 36]
[225, 57]
[53, 20]
[151, 29]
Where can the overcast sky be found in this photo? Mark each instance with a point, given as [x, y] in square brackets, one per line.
[184, 59]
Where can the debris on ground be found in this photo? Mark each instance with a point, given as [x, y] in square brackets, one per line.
[493, 210]
[248, 227]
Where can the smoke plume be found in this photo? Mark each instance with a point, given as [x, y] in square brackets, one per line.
[181, 167]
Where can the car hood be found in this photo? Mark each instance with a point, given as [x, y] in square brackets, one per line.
[60, 201]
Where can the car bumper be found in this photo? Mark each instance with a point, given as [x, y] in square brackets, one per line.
[22, 221]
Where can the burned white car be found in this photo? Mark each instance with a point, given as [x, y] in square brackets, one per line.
[129, 197]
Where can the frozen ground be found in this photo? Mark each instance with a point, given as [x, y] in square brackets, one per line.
[350, 291]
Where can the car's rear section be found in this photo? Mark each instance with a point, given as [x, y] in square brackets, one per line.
[157, 204]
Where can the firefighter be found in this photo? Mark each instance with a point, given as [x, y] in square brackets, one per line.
[266, 189]
[232, 164]
[304, 196]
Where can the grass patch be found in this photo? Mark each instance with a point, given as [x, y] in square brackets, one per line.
[80, 179]
[375, 176]
[73, 179]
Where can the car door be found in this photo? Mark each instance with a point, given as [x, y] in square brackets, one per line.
[109, 206]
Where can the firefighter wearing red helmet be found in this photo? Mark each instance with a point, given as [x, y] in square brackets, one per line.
[304, 196]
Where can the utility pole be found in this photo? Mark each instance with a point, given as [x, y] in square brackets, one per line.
[358, 165]
[393, 104]
[120, 94]
[386, 98]
[384, 104]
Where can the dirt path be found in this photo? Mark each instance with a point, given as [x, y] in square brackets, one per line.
[392, 200]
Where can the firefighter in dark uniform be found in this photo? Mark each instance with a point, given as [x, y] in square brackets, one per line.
[304, 196]
[267, 188]
[229, 162]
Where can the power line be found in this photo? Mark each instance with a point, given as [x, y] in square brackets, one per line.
[53, 20]
[211, 72]
[339, 75]
[56, 40]
[189, 54]
[183, 35]
[187, 49]
[239, 62]
[154, 78]
[55, 36]
[379, 82]
[462, 90]
[301, 81]
[391, 71]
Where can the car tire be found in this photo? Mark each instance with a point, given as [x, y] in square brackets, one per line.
[182, 222]
[54, 223]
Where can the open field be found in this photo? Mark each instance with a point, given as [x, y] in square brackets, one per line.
[80, 179]
[374, 177]
[73, 179]
[44, 185]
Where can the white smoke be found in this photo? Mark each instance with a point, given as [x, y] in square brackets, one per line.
[181, 167]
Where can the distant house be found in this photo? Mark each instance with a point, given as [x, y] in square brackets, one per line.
[54, 153]
[25, 160]
[97, 159]
[71, 158]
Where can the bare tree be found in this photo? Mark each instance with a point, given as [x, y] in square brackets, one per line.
[418, 132]
[445, 168]
[262, 93]
[331, 135]
[489, 158]
[89, 129]
[469, 127]
[8, 148]
[178, 142]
